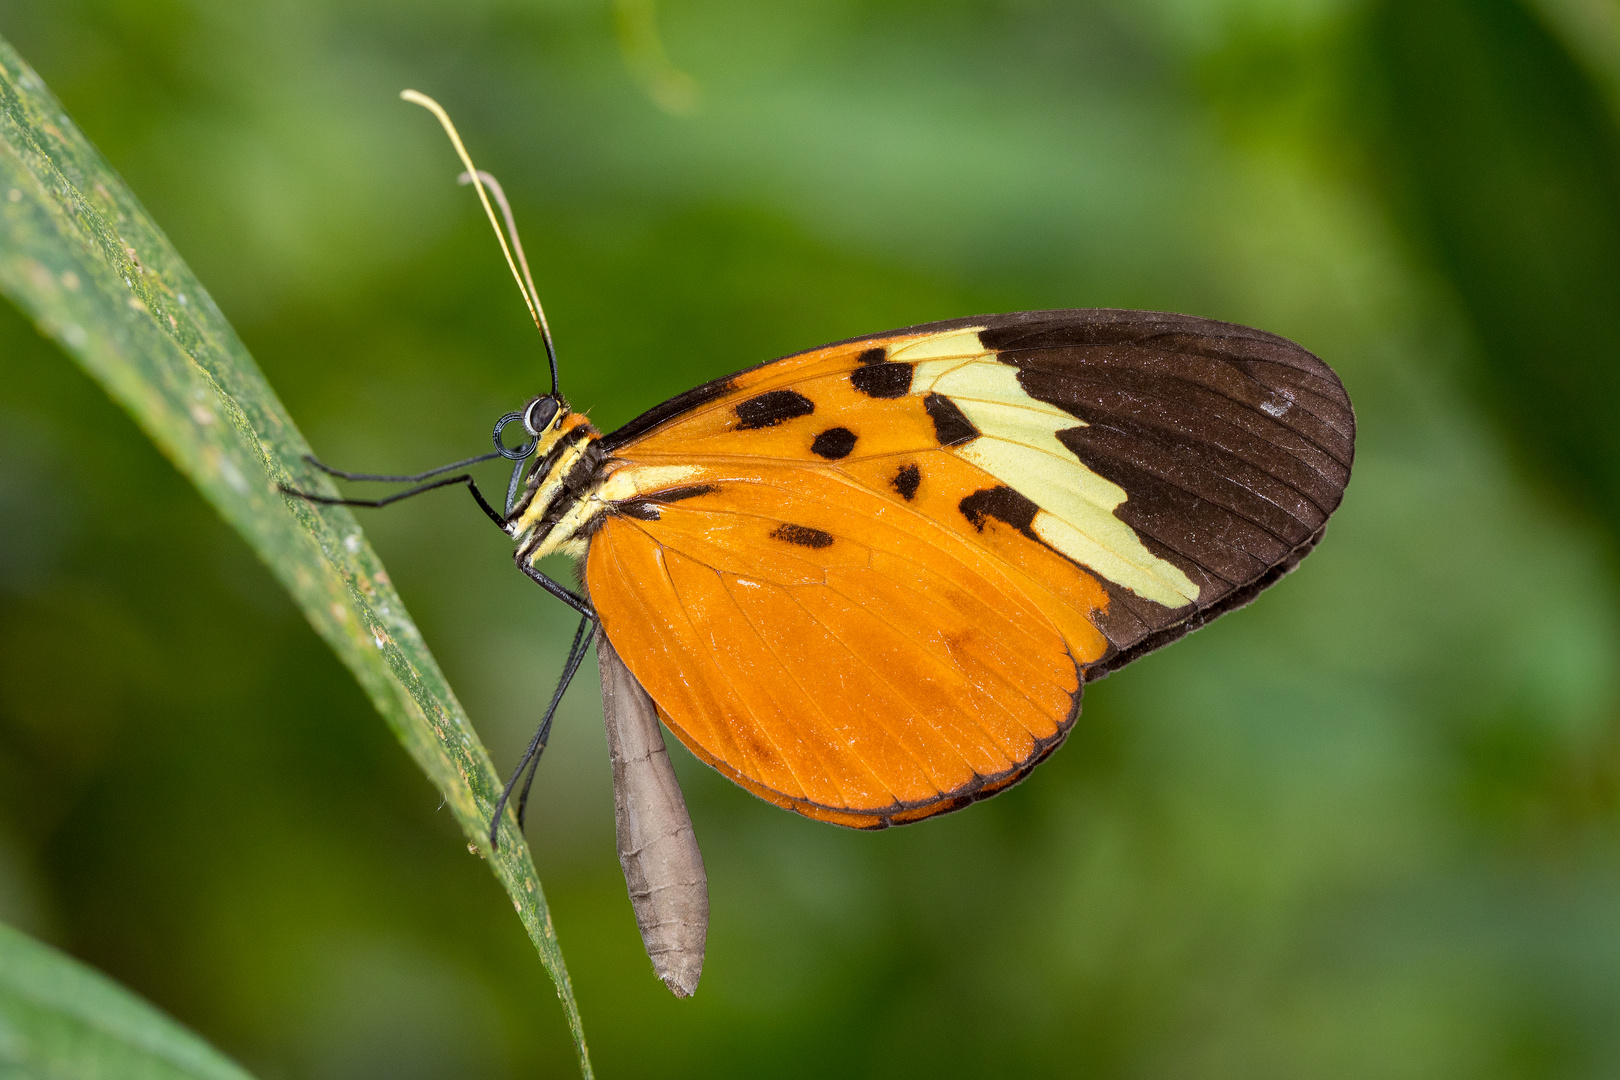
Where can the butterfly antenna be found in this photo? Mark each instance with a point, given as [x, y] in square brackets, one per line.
[494, 187]
[484, 183]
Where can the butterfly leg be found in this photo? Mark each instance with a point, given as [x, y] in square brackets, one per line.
[388, 478]
[530, 761]
[464, 478]
[566, 595]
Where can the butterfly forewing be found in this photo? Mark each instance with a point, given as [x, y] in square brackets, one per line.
[867, 581]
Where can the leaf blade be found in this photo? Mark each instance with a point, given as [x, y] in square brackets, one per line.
[59, 1018]
[80, 256]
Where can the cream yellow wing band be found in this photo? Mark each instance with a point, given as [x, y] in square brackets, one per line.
[1018, 445]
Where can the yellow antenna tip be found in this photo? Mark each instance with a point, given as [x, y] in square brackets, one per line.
[531, 302]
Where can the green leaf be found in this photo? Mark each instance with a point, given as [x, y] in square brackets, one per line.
[80, 256]
[62, 1020]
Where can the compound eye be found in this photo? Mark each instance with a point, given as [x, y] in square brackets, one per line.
[539, 415]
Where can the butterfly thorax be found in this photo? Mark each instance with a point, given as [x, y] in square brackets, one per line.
[554, 511]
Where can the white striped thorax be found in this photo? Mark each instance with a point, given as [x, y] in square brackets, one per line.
[556, 504]
[574, 484]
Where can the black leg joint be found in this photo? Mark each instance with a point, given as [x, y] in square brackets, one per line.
[566, 595]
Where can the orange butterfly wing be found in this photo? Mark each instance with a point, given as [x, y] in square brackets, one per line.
[854, 663]
[827, 573]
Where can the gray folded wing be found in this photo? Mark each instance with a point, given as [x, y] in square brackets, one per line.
[663, 867]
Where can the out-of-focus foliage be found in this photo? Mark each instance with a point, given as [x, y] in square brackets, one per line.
[60, 1019]
[1365, 827]
[1509, 160]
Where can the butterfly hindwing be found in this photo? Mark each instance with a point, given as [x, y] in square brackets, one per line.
[796, 635]
[866, 581]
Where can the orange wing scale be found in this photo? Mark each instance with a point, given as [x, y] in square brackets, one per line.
[880, 670]
[886, 425]
[894, 434]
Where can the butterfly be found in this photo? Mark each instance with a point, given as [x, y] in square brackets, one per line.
[869, 582]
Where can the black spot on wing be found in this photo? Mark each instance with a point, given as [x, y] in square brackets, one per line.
[640, 510]
[907, 480]
[882, 380]
[834, 443]
[874, 356]
[646, 508]
[1004, 504]
[802, 535]
[772, 408]
[677, 494]
[950, 426]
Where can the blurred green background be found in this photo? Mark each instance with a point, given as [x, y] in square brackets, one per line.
[1367, 827]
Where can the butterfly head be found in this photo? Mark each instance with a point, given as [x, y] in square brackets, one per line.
[544, 421]
[543, 414]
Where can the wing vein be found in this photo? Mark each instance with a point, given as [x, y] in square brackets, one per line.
[807, 699]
